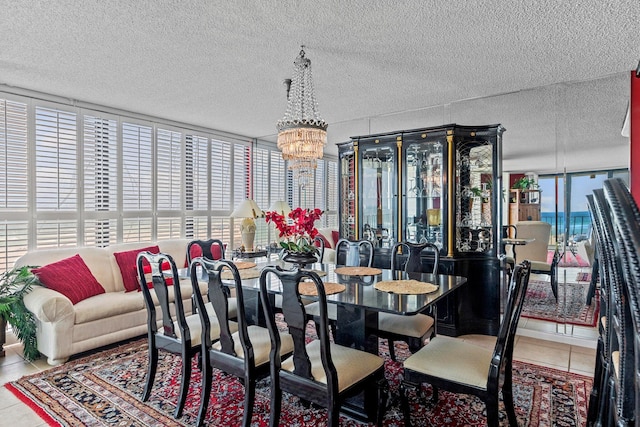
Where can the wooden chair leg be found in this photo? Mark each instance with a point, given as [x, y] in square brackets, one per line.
[405, 403]
[249, 399]
[392, 350]
[184, 385]
[151, 371]
[276, 402]
[492, 413]
[333, 414]
[507, 396]
[205, 393]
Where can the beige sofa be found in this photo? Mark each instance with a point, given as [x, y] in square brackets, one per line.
[65, 329]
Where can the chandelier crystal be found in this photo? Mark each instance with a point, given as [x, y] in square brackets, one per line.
[302, 133]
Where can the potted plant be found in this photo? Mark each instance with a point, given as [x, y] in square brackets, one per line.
[14, 284]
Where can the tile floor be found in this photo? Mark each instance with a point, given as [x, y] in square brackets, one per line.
[556, 351]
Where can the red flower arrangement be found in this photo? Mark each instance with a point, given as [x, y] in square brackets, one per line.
[298, 236]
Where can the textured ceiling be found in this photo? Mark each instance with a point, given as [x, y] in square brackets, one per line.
[221, 64]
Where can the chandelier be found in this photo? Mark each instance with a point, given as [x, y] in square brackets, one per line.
[302, 133]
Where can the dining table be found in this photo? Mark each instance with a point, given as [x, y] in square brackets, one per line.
[359, 304]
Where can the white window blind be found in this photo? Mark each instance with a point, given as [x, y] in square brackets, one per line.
[137, 167]
[331, 216]
[100, 144]
[14, 241]
[169, 170]
[196, 173]
[221, 168]
[56, 160]
[13, 156]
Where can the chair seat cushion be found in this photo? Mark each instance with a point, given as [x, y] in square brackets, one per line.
[195, 328]
[411, 326]
[540, 266]
[261, 342]
[454, 360]
[313, 309]
[351, 365]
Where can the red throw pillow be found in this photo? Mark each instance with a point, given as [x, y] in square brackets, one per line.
[165, 267]
[128, 268]
[71, 277]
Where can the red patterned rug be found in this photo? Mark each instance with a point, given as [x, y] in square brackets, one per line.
[104, 389]
[570, 308]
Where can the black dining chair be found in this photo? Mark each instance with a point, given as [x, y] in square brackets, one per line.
[462, 367]
[357, 254]
[180, 333]
[413, 330]
[242, 350]
[320, 371]
[212, 249]
[623, 388]
[354, 253]
[595, 413]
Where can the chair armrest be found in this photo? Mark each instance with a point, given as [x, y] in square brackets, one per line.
[48, 305]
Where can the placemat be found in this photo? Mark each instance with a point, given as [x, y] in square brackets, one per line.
[243, 265]
[318, 272]
[413, 287]
[358, 271]
[244, 274]
[309, 288]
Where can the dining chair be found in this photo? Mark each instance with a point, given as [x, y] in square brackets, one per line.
[320, 372]
[462, 367]
[595, 412]
[623, 400]
[242, 350]
[180, 334]
[212, 249]
[413, 330]
[537, 251]
[357, 254]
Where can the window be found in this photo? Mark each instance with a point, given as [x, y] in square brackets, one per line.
[73, 176]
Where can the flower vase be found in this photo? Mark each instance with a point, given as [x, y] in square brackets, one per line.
[301, 259]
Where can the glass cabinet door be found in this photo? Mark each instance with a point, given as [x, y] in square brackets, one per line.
[348, 195]
[423, 190]
[378, 196]
[475, 205]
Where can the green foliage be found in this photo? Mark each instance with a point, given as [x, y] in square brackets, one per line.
[14, 284]
[525, 183]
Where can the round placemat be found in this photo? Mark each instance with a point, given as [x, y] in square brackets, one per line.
[251, 273]
[358, 271]
[320, 273]
[243, 265]
[413, 287]
[309, 288]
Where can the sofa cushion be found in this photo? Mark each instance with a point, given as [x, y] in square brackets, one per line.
[324, 240]
[108, 305]
[128, 269]
[71, 277]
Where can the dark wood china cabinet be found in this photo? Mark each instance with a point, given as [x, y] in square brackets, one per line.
[441, 185]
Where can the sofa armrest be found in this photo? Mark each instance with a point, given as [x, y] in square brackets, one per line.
[48, 305]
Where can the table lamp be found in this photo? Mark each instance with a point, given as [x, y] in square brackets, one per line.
[248, 210]
[281, 207]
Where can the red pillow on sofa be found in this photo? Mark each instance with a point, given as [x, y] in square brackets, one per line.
[71, 277]
[335, 235]
[327, 245]
[128, 268]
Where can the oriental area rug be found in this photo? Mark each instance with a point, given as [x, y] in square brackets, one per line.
[104, 389]
[570, 308]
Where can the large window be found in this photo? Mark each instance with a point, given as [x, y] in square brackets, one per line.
[80, 177]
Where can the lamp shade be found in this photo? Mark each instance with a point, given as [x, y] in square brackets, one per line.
[247, 209]
[281, 207]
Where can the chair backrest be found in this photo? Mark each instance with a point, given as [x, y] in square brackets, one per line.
[503, 351]
[352, 253]
[319, 244]
[218, 296]
[295, 316]
[162, 271]
[210, 249]
[621, 335]
[414, 258]
[538, 249]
